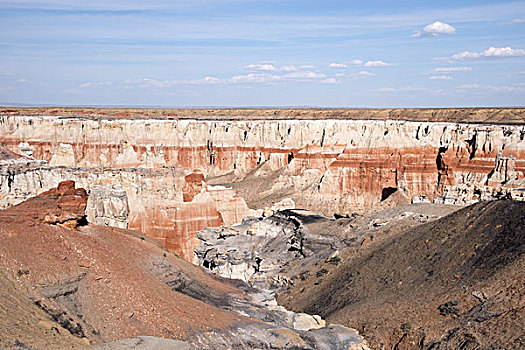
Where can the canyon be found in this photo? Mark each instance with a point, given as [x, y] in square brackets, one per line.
[241, 229]
[67, 284]
[420, 276]
[170, 174]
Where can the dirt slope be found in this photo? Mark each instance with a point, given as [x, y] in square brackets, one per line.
[97, 282]
[23, 323]
[457, 282]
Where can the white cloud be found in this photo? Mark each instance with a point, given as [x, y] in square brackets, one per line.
[95, 84]
[518, 21]
[439, 28]
[23, 80]
[364, 73]
[211, 80]
[470, 86]
[271, 67]
[266, 67]
[290, 68]
[402, 89]
[305, 75]
[441, 92]
[148, 83]
[440, 77]
[492, 52]
[452, 69]
[268, 78]
[255, 78]
[357, 62]
[387, 89]
[331, 81]
[339, 75]
[203, 81]
[378, 63]
[499, 88]
[435, 29]
[337, 65]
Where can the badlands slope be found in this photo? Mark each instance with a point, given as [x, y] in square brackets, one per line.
[66, 284]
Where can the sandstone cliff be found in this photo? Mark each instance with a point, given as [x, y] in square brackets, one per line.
[160, 172]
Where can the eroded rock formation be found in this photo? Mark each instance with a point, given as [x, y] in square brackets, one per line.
[62, 281]
[147, 200]
[62, 205]
[330, 165]
[277, 252]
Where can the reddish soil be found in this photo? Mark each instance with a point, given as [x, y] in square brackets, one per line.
[99, 283]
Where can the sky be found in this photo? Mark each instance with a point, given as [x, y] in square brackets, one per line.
[250, 53]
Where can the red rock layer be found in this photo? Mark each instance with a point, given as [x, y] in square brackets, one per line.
[337, 165]
[188, 219]
[110, 279]
[203, 206]
[62, 205]
[362, 174]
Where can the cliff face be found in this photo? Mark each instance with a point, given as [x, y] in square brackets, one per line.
[155, 171]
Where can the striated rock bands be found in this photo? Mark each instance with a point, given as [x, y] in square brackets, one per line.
[173, 171]
[108, 206]
[149, 201]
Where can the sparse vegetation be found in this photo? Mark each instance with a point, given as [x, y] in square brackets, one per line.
[334, 260]
[450, 308]
[23, 272]
[304, 275]
[321, 272]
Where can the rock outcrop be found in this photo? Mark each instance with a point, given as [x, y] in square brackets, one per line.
[108, 206]
[259, 249]
[150, 201]
[331, 165]
[94, 284]
[62, 205]
[276, 252]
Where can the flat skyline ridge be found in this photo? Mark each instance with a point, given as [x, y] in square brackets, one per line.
[304, 107]
[490, 115]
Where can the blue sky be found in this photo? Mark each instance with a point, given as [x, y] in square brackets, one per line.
[263, 53]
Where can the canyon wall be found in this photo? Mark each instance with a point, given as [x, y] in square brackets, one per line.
[166, 176]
